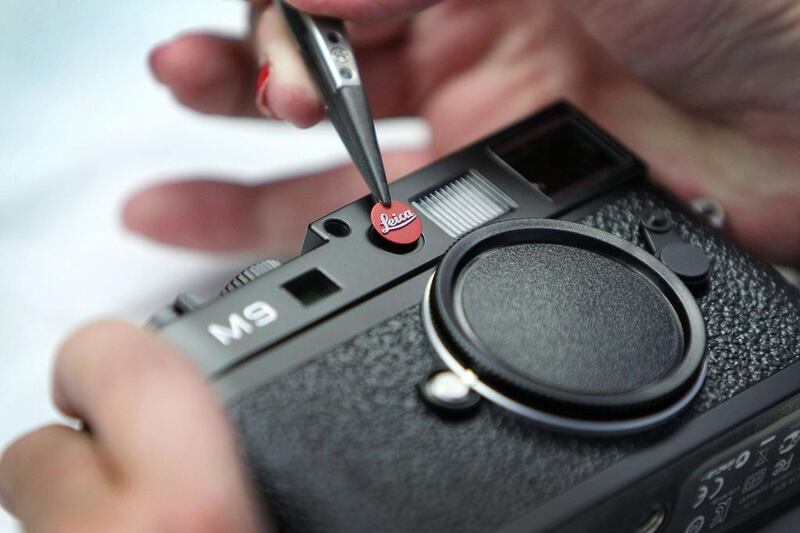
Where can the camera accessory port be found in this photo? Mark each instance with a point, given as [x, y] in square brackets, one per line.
[336, 227]
[567, 325]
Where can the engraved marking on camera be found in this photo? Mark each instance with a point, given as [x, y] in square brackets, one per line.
[721, 512]
[742, 459]
[735, 462]
[719, 482]
[754, 480]
[702, 492]
[789, 442]
[255, 315]
[763, 455]
[782, 465]
[395, 222]
[696, 525]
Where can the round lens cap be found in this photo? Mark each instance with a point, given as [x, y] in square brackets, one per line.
[398, 223]
[568, 325]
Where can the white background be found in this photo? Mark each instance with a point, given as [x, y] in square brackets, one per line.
[82, 126]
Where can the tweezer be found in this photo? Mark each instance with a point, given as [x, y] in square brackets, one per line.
[325, 47]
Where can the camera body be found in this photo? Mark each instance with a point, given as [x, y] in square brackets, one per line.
[589, 355]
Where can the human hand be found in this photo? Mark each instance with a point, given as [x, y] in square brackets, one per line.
[160, 456]
[706, 92]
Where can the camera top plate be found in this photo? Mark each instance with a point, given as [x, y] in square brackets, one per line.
[341, 254]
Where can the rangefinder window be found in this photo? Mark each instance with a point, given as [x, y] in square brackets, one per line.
[311, 287]
[554, 159]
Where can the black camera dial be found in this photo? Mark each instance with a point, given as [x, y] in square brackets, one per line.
[568, 325]
[251, 273]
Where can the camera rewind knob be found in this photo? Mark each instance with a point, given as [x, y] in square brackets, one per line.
[250, 274]
[183, 303]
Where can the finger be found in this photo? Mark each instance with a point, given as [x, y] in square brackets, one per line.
[208, 73]
[150, 411]
[224, 216]
[546, 54]
[220, 75]
[285, 90]
[50, 475]
[199, 213]
[445, 44]
[363, 10]
[157, 423]
[376, 34]
[217, 75]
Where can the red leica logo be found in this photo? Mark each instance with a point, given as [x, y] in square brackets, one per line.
[397, 223]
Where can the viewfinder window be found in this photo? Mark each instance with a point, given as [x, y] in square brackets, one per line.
[556, 158]
[311, 287]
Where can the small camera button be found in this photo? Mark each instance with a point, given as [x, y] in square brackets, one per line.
[397, 224]
[687, 261]
[448, 394]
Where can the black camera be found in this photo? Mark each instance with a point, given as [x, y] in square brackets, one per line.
[566, 347]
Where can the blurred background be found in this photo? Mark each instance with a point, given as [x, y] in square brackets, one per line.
[84, 125]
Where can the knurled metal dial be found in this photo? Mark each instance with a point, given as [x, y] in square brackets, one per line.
[250, 274]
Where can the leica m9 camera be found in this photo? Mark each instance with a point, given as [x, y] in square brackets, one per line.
[561, 346]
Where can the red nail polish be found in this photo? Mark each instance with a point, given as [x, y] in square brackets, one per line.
[262, 77]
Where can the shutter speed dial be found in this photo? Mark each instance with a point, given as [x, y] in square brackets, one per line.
[251, 274]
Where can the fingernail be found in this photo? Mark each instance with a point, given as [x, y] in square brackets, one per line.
[262, 77]
[261, 92]
[153, 59]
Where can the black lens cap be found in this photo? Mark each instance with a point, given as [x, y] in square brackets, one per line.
[567, 325]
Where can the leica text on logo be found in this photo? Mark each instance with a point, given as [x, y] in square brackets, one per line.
[396, 222]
